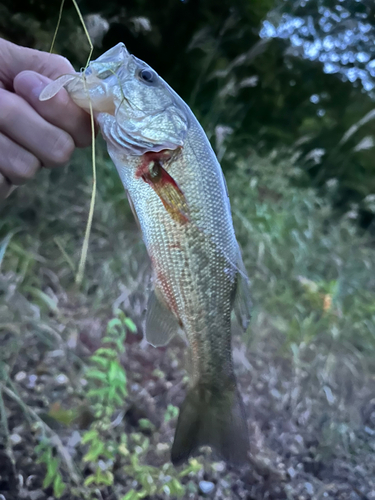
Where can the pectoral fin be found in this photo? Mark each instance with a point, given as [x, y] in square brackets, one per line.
[242, 300]
[132, 208]
[161, 324]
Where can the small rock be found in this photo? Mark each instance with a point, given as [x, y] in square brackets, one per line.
[103, 465]
[62, 379]
[329, 395]
[36, 495]
[309, 488]
[58, 353]
[15, 439]
[161, 447]
[74, 439]
[360, 470]
[275, 393]
[20, 376]
[31, 481]
[292, 472]
[206, 487]
[298, 438]
[293, 449]
[219, 466]
[32, 381]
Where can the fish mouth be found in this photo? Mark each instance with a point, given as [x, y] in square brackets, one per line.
[109, 62]
[91, 88]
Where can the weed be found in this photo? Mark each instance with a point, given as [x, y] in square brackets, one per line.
[313, 290]
[46, 455]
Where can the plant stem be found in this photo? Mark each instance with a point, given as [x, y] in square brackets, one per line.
[55, 440]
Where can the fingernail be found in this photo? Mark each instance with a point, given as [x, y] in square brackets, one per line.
[30, 83]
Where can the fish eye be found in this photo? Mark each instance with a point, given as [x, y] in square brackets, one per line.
[147, 76]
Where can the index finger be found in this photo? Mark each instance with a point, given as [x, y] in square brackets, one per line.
[15, 59]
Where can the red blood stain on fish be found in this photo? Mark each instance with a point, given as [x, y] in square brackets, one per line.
[152, 171]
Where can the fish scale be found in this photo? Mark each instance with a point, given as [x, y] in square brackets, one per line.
[178, 193]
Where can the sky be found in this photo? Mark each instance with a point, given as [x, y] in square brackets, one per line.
[343, 41]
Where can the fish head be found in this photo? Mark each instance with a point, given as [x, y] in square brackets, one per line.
[135, 107]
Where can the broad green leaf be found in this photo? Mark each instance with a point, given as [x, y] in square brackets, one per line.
[194, 466]
[106, 351]
[176, 487]
[114, 371]
[52, 467]
[106, 477]
[112, 324]
[96, 374]
[116, 398]
[103, 362]
[130, 325]
[108, 340]
[89, 480]
[144, 423]
[94, 452]
[131, 495]
[58, 486]
[97, 393]
[89, 436]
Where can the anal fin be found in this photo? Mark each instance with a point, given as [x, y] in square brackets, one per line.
[161, 324]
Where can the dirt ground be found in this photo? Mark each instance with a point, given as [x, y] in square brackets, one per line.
[307, 441]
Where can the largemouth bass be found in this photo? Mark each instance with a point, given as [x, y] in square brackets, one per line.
[178, 194]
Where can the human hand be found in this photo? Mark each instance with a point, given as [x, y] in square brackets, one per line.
[35, 134]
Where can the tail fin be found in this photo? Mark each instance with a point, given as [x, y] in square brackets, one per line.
[215, 418]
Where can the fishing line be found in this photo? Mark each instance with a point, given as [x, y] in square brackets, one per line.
[57, 26]
[85, 244]
[86, 32]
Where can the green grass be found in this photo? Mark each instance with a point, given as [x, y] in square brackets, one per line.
[312, 274]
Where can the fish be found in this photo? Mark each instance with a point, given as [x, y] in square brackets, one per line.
[179, 196]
